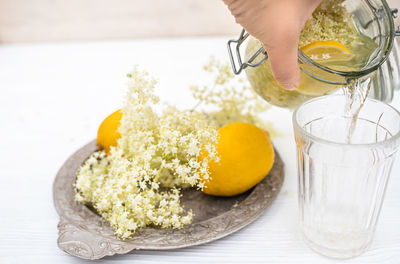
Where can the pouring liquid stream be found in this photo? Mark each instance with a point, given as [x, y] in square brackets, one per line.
[356, 92]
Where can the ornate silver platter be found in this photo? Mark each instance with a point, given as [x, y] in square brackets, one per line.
[84, 234]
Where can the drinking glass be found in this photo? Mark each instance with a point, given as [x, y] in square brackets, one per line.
[342, 177]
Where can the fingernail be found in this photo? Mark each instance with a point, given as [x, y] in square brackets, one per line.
[289, 87]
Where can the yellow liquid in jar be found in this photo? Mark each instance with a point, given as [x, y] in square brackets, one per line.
[263, 82]
[317, 29]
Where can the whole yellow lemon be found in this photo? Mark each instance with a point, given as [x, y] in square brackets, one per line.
[107, 134]
[246, 157]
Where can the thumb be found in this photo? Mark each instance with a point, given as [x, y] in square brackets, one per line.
[282, 56]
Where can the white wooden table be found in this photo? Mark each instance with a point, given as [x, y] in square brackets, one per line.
[52, 99]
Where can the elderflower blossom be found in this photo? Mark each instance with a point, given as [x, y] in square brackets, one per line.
[329, 21]
[232, 99]
[138, 183]
[154, 151]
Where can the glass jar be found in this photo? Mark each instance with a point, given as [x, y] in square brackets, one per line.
[372, 18]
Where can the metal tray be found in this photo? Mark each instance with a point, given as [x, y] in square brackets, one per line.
[85, 234]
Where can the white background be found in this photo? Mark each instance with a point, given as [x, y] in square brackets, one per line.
[52, 100]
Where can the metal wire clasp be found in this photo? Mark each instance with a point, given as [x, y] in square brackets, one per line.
[236, 60]
[237, 64]
[395, 14]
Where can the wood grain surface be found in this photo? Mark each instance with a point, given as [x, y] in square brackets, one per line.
[65, 20]
[69, 20]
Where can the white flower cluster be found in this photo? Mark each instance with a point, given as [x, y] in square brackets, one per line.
[138, 183]
[232, 98]
[127, 185]
[329, 21]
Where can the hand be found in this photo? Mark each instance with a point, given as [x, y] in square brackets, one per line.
[277, 24]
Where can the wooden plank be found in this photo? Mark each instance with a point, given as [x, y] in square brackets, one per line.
[49, 20]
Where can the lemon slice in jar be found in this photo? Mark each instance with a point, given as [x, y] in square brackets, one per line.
[329, 53]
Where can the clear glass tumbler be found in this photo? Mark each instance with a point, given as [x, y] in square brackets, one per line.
[341, 184]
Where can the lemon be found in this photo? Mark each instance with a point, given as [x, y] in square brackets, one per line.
[327, 51]
[331, 54]
[246, 157]
[107, 134]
